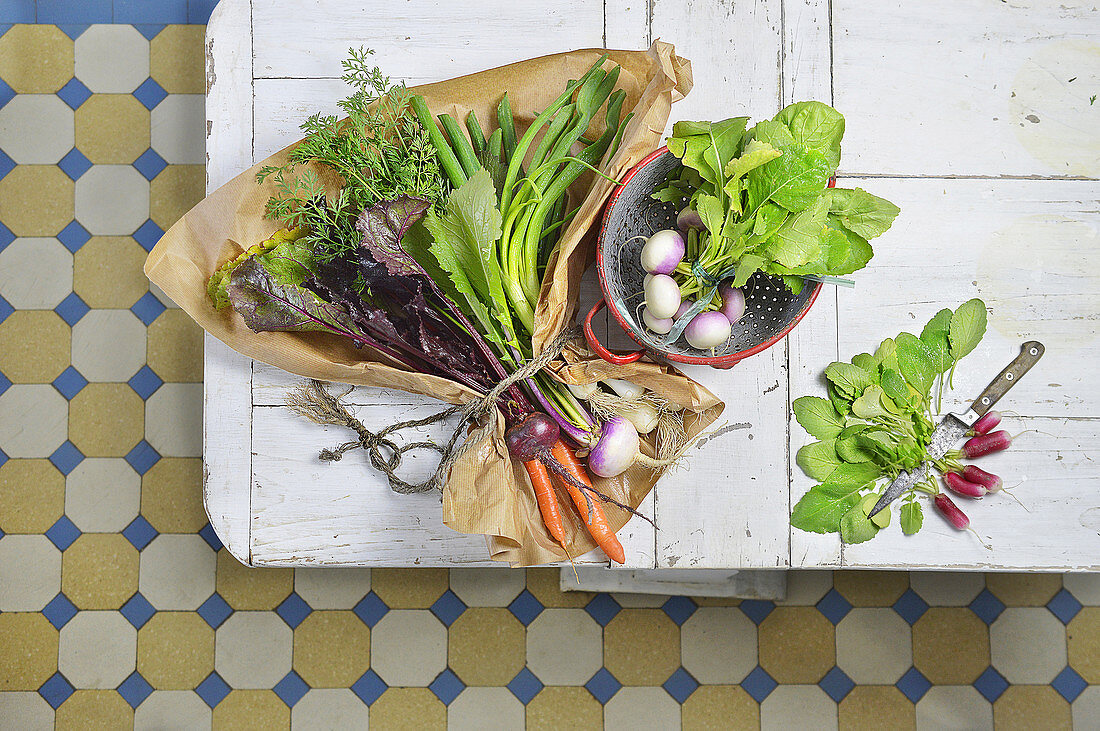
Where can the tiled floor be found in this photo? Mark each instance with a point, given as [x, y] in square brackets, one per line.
[118, 607]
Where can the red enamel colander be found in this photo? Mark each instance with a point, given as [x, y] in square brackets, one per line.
[771, 310]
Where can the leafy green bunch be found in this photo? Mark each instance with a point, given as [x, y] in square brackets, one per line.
[876, 422]
[763, 197]
[379, 151]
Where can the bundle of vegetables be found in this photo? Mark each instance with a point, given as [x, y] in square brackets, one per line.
[429, 247]
[878, 420]
[758, 200]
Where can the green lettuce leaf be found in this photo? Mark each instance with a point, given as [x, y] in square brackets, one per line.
[967, 328]
[817, 416]
[815, 126]
[860, 212]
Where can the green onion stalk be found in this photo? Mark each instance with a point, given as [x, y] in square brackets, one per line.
[533, 201]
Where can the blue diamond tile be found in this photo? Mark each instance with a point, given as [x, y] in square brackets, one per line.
[56, 690]
[293, 610]
[525, 607]
[6, 164]
[135, 689]
[6, 92]
[910, 606]
[63, 533]
[145, 382]
[148, 234]
[140, 533]
[74, 93]
[834, 606]
[198, 11]
[6, 236]
[679, 609]
[69, 383]
[74, 30]
[987, 606]
[3, 459]
[603, 685]
[913, 685]
[525, 686]
[1069, 684]
[369, 687]
[757, 609]
[1064, 606]
[759, 684]
[59, 12]
[5, 384]
[215, 610]
[73, 236]
[291, 688]
[150, 93]
[836, 684]
[680, 685]
[5, 309]
[446, 686]
[142, 457]
[66, 457]
[74, 164]
[137, 610]
[207, 533]
[448, 608]
[148, 308]
[213, 690]
[150, 164]
[59, 611]
[71, 309]
[602, 608]
[149, 30]
[991, 684]
[370, 609]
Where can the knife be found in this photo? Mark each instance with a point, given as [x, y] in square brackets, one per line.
[955, 426]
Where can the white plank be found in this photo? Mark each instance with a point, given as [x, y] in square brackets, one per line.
[1028, 248]
[728, 506]
[283, 104]
[968, 87]
[308, 512]
[1059, 530]
[626, 24]
[421, 40]
[227, 374]
[807, 58]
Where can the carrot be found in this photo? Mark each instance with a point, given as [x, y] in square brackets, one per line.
[548, 502]
[596, 524]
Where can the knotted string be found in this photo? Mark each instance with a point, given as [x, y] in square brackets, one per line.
[315, 403]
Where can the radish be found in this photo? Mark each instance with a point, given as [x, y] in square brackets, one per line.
[708, 330]
[978, 476]
[986, 444]
[687, 219]
[683, 308]
[616, 449]
[733, 301]
[662, 296]
[959, 485]
[986, 423]
[663, 251]
[951, 511]
[659, 325]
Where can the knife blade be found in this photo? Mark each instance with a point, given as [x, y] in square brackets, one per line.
[954, 427]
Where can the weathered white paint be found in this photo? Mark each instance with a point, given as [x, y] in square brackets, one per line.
[919, 85]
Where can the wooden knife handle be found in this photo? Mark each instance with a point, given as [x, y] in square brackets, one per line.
[1030, 353]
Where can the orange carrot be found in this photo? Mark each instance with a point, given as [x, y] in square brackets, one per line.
[548, 502]
[597, 526]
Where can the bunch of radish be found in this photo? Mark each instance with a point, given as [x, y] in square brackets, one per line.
[969, 480]
[661, 254]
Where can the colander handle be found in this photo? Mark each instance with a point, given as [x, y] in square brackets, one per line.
[601, 351]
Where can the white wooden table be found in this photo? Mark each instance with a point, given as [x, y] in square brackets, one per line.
[972, 116]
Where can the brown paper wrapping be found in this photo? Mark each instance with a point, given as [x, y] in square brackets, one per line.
[487, 492]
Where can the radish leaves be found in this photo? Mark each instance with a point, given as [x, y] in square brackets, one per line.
[877, 422]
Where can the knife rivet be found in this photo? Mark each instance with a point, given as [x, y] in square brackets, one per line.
[985, 400]
[1009, 376]
[1034, 351]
